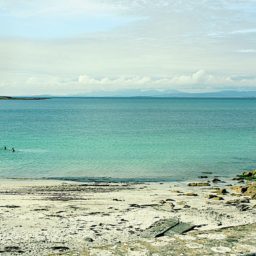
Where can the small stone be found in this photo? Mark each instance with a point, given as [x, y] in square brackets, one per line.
[191, 194]
[199, 184]
[89, 239]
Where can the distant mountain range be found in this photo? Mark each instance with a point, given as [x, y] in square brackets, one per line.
[174, 94]
[147, 93]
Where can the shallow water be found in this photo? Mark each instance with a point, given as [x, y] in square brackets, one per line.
[147, 138]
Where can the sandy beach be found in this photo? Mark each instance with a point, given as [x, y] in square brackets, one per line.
[45, 217]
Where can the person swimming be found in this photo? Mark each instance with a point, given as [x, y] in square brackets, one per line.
[13, 149]
[5, 148]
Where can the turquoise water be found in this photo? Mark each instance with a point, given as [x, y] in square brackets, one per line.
[148, 138]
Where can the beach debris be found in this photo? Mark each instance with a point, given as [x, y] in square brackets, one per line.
[199, 184]
[167, 227]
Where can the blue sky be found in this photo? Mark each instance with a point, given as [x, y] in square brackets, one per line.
[82, 46]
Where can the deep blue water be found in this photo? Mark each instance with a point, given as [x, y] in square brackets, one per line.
[149, 138]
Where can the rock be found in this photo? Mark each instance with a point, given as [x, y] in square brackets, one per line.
[190, 194]
[238, 201]
[89, 239]
[243, 207]
[199, 184]
[251, 190]
[60, 248]
[167, 227]
[247, 175]
[166, 206]
[13, 249]
[203, 177]
[239, 189]
[118, 200]
[248, 190]
[220, 191]
[215, 197]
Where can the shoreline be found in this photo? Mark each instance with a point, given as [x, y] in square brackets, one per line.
[56, 217]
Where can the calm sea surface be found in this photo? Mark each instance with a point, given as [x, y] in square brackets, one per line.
[134, 138]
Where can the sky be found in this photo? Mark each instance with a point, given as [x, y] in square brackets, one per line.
[78, 47]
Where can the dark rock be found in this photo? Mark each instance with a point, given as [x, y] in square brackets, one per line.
[216, 180]
[13, 249]
[60, 248]
[203, 177]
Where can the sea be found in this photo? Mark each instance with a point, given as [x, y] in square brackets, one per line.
[127, 139]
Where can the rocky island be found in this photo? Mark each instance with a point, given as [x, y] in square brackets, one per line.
[22, 98]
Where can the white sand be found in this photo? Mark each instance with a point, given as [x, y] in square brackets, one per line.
[37, 215]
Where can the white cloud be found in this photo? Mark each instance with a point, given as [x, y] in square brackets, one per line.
[246, 51]
[28, 8]
[199, 81]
